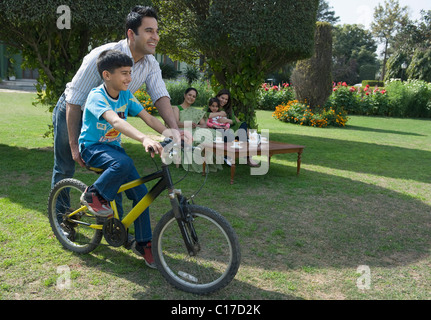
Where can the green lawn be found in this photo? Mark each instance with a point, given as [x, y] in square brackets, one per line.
[363, 198]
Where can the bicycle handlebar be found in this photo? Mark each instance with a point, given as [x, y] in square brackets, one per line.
[173, 151]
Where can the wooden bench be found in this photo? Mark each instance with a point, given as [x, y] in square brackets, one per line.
[268, 149]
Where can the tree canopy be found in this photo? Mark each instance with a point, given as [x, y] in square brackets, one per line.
[241, 40]
[354, 47]
[388, 21]
[30, 26]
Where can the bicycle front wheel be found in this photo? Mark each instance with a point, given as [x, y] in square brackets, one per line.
[216, 262]
[74, 233]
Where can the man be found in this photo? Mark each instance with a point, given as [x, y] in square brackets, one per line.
[140, 45]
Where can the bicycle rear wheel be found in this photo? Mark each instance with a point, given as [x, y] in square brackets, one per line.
[216, 262]
[73, 233]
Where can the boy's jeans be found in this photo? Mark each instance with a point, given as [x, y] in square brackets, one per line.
[119, 169]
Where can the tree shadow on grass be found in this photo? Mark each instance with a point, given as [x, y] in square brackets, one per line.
[323, 220]
[284, 222]
[380, 160]
[376, 130]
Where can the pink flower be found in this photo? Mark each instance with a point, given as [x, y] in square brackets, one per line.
[344, 84]
[352, 89]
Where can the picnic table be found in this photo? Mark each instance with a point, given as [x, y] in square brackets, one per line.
[246, 149]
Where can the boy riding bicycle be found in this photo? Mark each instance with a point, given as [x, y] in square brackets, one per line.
[104, 120]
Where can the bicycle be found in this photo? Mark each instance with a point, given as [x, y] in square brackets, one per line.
[194, 247]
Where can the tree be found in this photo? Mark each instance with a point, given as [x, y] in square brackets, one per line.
[326, 14]
[54, 38]
[353, 49]
[411, 46]
[312, 77]
[241, 40]
[388, 20]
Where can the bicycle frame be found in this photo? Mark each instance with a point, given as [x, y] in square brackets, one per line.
[165, 182]
[176, 199]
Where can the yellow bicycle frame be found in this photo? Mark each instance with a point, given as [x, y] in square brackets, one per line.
[143, 204]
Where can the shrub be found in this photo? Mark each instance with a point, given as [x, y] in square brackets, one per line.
[169, 71]
[271, 96]
[344, 97]
[312, 78]
[361, 101]
[177, 88]
[191, 74]
[372, 83]
[300, 113]
[398, 99]
[145, 100]
[409, 99]
[419, 99]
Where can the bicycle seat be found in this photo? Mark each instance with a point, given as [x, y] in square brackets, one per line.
[97, 170]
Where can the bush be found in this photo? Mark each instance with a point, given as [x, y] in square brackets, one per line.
[169, 71]
[398, 99]
[360, 101]
[191, 74]
[418, 99]
[312, 78]
[271, 96]
[300, 113]
[145, 100]
[372, 83]
[177, 88]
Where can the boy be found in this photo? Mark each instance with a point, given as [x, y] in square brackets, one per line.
[104, 121]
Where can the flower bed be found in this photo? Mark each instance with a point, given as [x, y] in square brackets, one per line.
[300, 113]
[398, 99]
[271, 96]
[145, 100]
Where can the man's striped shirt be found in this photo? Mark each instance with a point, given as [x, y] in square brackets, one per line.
[146, 70]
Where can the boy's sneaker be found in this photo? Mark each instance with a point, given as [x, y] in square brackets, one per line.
[96, 204]
[145, 252]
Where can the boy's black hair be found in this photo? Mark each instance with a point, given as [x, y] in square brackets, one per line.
[134, 18]
[110, 60]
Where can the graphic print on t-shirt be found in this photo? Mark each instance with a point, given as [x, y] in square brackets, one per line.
[112, 134]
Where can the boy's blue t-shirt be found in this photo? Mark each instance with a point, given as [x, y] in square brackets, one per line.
[95, 129]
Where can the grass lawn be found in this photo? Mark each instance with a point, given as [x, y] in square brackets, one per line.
[363, 198]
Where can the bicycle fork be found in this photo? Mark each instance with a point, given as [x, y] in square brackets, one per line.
[185, 221]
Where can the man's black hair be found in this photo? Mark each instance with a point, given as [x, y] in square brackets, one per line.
[111, 60]
[134, 18]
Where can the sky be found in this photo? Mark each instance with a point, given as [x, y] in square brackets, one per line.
[361, 12]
